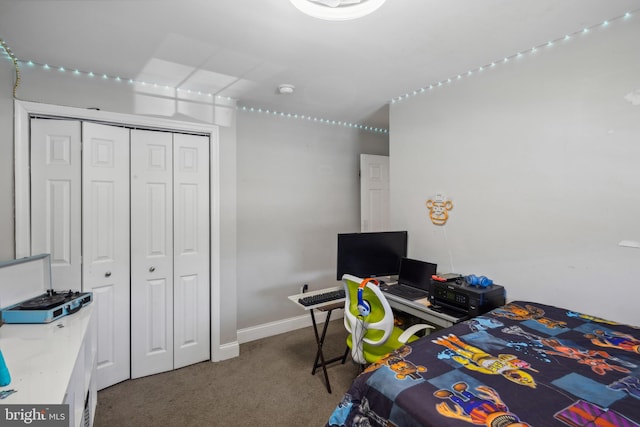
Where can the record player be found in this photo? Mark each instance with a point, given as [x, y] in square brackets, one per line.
[22, 283]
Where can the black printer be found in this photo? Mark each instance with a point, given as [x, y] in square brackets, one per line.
[459, 296]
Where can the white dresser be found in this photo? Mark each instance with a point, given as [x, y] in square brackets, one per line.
[53, 363]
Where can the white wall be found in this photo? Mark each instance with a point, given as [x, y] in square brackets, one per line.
[7, 245]
[298, 187]
[540, 157]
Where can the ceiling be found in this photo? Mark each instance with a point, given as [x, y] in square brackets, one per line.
[244, 49]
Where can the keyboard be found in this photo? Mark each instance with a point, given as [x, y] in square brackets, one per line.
[406, 292]
[322, 298]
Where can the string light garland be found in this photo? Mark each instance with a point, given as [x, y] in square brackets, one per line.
[507, 59]
[314, 119]
[118, 79]
[13, 59]
[17, 62]
[92, 75]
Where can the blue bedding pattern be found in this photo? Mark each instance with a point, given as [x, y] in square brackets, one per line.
[523, 364]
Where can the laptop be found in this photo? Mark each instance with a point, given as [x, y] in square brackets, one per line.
[414, 279]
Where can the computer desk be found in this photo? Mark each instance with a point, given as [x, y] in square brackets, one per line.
[328, 308]
[419, 309]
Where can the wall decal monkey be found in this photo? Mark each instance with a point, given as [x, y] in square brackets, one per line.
[439, 208]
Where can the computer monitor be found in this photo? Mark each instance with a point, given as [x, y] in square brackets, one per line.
[372, 254]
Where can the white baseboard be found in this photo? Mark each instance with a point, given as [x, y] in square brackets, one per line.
[281, 326]
[226, 351]
[232, 349]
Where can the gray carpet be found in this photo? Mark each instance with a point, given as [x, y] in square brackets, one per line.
[270, 384]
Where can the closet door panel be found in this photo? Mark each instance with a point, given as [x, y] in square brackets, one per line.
[191, 249]
[55, 198]
[109, 362]
[106, 257]
[157, 328]
[151, 252]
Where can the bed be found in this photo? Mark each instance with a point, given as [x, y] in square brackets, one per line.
[522, 364]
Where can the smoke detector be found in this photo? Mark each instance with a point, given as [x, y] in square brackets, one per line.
[286, 89]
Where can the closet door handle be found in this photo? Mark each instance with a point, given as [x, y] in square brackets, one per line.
[107, 274]
[152, 269]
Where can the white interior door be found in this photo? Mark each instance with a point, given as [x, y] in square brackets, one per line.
[191, 249]
[105, 241]
[374, 193]
[151, 252]
[55, 198]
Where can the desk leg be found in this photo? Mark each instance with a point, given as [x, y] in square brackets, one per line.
[320, 342]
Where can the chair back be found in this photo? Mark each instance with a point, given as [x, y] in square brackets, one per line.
[374, 328]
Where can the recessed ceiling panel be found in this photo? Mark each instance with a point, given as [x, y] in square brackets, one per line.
[164, 72]
[185, 50]
[231, 62]
[208, 81]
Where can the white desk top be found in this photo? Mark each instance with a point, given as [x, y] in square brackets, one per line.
[41, 357]
[420, 308]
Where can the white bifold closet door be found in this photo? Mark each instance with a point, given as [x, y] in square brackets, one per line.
[56, 150]
[191, 250]
[169, 251]
[125, 214]
[80, 215]
[105, 245]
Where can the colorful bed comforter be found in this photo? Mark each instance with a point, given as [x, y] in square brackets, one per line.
[523, 364]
